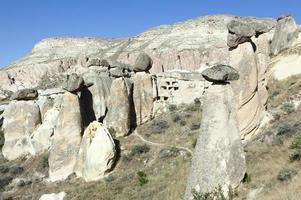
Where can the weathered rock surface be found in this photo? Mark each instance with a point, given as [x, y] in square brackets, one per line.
[96, 154]
[285, 34]
[143, 63]
[66, 139]
[220, 73]
[96, 97]
[20, 120]
[118, 117]
[53, 196]
[219, 158]
[25, 94]
[241, 30]
[143, 97]
[73, 83]
[42, 137]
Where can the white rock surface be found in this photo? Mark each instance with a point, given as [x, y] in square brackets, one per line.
[66, 139]
[53, 196]
[285, 66]
[20, 120]
[96, 154]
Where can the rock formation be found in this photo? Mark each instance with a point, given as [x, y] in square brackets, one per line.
[220, 73]
[143, 63]
[66, 139]
[143, 97]
[25, 94]
[218, 160]
[285, 35]
[73, 83]
[20, 120]
[119, 109]
[96, 154]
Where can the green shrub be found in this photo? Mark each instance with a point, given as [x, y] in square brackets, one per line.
[183, 123]
[1, 139]
[295, 156]
[247, 178]
[286, 174]
[140, 149]
[142, 178]
[175, 117]
[159, 126]
[288, 107]
[217, 194]
[169, 152]
[296, 143]
[172, 107]
[283, 129]
[197, 101]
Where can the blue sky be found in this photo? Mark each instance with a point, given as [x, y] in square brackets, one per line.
[25, 22]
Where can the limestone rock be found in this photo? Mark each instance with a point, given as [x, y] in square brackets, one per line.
[94, 99]
[53, 196]
[25, 94]
[73, 83]
[220, 73]
[143, 63]
[219, 158]
[285, 34]
[42, 137]
[96, 154]
[242, 29]
[119, 114]
[143, 97]
[66, 139]
[20, 120]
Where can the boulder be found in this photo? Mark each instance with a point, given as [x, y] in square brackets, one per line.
[96, 154]
[143, 63]
[242, 30]
[20, 120]
[25, 94]
[73, 83]
[42, 137]
[119, 113]
[285, 34]
[53, 196]
[143, 97]
[93, 62]
[220, 73]
[94, 99]
[66, 139]
[218, 159]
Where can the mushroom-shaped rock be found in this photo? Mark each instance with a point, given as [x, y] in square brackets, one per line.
[73, 83]
[25, 94]
[97, 153]
[220, 73]
[143, 63]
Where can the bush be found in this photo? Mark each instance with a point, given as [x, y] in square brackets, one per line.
[195, 126]
[288, 107]
[159, 126]
[140, 149]
[296, 143]
[286, 174]
[142, 178]
[247, 178]
[283, 129]
[1, 139]
[295, 156]
[197, 101]
[172, 107]
[217, 194]
[169, 152]
[176, 117]
[183, 123]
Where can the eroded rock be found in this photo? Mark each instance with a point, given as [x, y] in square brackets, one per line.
[25, 94]
[96, 154]
[220, 73]
[73, 83]
[66, 139]
[143, 63]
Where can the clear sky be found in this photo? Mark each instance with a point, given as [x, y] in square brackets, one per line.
[25, 22]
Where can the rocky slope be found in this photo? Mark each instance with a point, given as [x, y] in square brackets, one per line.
[86, 91]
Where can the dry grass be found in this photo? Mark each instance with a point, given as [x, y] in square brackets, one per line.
[165, 175]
